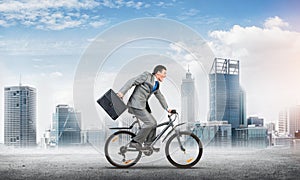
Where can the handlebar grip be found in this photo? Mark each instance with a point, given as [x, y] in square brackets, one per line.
[173, 111]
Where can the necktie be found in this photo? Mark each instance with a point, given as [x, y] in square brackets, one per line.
[155, 87]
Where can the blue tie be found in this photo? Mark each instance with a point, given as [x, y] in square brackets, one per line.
[155, 86]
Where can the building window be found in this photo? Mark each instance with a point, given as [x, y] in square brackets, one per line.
[17, 105]
[225, 133]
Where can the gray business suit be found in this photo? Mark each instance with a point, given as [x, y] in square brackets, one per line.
[138, 104]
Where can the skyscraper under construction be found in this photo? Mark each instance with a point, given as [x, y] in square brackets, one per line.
[227, 99]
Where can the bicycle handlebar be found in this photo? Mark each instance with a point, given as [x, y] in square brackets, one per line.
[173, 111]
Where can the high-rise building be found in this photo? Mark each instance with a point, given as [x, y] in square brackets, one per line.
[20, 116]
[283, 122]
[271, 127]
[256, 121]
[188, 100]
[66, 126]
[294, 120]
[227, 99]
[243, 122]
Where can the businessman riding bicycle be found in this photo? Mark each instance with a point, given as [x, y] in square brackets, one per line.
[145, 84]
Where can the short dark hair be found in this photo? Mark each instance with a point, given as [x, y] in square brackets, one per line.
[159, 68]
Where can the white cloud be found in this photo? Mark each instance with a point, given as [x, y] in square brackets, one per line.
[4, 23]
[97, 24]
[63, 14]
[160, 3]
[269, 58]
[163, 4]
[191, 12]
[275, 22]
[177, 47]
[54, 25]
[147, 5]
[41, 47]
[160, 15]
[56, 74]
[47, 14]
[120, 3]
[32, 5]
[136, 5]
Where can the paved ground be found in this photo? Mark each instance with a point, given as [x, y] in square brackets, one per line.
[269, 163]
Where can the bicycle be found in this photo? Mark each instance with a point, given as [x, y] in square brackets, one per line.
[183, 149]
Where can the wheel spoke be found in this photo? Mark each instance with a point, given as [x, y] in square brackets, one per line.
[184, 150]
[117, 151]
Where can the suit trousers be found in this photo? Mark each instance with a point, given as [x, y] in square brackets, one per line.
[148, 129]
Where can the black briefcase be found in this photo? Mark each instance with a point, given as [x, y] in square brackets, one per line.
[112, 104]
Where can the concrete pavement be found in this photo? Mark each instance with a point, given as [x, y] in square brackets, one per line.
[87, 163]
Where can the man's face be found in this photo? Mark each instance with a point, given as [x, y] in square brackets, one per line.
[161, 75]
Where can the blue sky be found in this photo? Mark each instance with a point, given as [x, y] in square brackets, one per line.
[92, 16]
[44, 41]
[47, 28]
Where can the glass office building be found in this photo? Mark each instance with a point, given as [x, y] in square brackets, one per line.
[256, 137]
[258, 122]
[214, 133]
[66, 126]
[227, 99]
[294, 120]
[20, 116]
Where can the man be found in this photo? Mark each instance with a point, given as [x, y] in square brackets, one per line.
[145, 84]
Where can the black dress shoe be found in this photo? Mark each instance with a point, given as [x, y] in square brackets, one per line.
[155, 149]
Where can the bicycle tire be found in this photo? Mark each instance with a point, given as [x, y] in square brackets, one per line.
[107, 155]
[189, 165]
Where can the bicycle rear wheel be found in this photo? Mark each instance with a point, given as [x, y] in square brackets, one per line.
[117, 150]
[184, 149]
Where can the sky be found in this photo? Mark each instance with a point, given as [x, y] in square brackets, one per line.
[43, 41]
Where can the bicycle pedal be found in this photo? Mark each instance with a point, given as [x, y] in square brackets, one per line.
[156, 149]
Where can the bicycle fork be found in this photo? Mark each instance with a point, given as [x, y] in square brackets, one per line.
[178, 138]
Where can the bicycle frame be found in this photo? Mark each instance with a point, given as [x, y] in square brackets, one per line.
[167, 124]
[186, 155]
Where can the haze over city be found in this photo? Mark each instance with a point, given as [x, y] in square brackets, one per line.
[43, 43]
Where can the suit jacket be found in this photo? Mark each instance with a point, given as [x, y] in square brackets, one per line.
[142, 91]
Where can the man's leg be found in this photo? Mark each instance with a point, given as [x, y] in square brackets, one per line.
[150, 138]
[149, 123]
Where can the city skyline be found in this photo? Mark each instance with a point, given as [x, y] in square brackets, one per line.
[44, 42]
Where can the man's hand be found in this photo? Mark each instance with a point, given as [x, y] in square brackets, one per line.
[121, 95]
[173, 111]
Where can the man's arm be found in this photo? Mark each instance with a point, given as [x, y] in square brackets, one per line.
[132, 82]
[161, 100]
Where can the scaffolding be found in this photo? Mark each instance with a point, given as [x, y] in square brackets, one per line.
[225, 66]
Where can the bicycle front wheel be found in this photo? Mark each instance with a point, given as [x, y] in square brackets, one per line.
[118, 152]
[184, 149]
